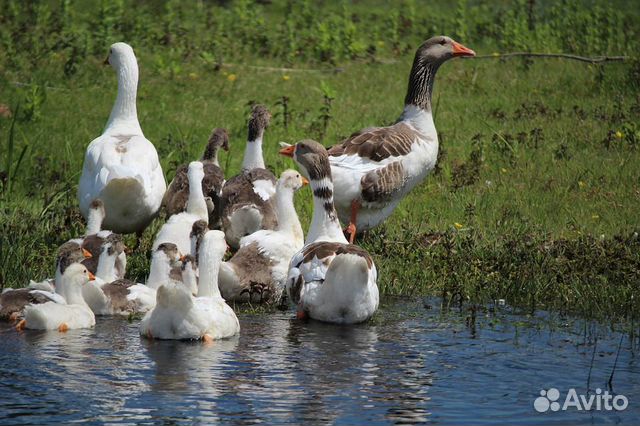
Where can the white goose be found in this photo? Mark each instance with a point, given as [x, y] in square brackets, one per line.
[62, 317]
[180, 316]
[178, 227]
[329, 279]
[376, 167]
[258, 270]
[121, 166]
[247, 199]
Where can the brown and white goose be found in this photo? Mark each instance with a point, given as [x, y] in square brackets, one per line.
[175, 199]
[376, 167]
[247, 199]
[258, 271]
[329, 279]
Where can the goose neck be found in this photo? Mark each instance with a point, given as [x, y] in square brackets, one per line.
[160, 268]
[325, 225]
[94, 221]
[421, 81]
[106, 270]
[208, 266]
[196, 203]
[124, 113]
[253, 154]
[288, 221]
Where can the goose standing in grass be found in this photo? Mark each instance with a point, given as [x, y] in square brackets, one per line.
[58, 316]
[329, 279]
[110, 295]
[376, 167]
[175, 199]
[121, 166]
[258, 271]
[247, 198]
[180, 316]
[177, 230]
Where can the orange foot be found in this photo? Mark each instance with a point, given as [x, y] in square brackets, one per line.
[21, 325]
[14, 317]
[302, 315]
[350, 232]
[62, 328]
[207, 339]
[149, 335]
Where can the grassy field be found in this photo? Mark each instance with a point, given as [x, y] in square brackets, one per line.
[536, 195]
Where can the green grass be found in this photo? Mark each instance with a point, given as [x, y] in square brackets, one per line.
[535, 201]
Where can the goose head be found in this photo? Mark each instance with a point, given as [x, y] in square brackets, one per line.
[169, 252]
[120, 54]
[74, 277]
[69, 253]
[260, 119]
[312, 158]
[292, 180]
[219, 138]
[438, 49]
[189, 271]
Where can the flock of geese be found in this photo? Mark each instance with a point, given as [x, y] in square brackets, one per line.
[359, 181]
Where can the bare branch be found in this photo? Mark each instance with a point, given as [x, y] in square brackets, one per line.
[593, 60]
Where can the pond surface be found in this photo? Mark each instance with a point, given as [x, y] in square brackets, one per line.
[413, 363]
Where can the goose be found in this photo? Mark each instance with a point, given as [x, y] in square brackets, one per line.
[329, 279]
[95, 236]
[258, 270]
[110, 295]
[121, 166]
[68, 253]
[58, 316]
[247, 199]
[376, 167]
[178, 228]
[175, 199]
[180, 316]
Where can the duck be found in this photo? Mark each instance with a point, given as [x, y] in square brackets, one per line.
[121, 166]
[257, 272]
[109, 295]
[376, 167]
[247, 203]
[180, 316]
[175, 199]
[73, 314]
[178, 228]
[329, 279]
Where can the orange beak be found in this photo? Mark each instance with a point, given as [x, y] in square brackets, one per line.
[288, 151]
[182, 258]
[91, 276]
[305, 181]
[86, 253]
[460, 50]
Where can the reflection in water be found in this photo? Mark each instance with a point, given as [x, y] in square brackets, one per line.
[410, 366]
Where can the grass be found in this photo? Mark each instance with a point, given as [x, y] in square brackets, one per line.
[534, 200]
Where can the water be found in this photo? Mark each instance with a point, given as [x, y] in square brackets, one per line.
[410, 365]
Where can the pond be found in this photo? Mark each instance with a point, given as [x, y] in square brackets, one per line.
[414, 363]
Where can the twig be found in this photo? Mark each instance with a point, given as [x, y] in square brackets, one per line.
[592, 60]
[615, 364]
